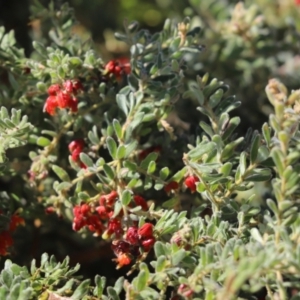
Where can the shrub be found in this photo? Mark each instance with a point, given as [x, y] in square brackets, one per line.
[182, 207]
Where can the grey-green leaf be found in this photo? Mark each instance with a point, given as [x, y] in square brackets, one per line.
[61, 173]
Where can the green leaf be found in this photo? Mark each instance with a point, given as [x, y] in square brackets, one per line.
[126, 197]
[263, 154]
[63, 186]
[132, 183]
[207, 128]
[141, 281]
[43, 142]
[178, 256]
[112, 293]
[130, 165]
[81, 290]
[93, 136]
[229, 148]
[130, 148]
[259, 175]
[254, 149]
[229, 128]
[118, 129]
[117, 208]
[266, 133]
[226, 169]
[215, 98]
[150, 157]
[122, 103]
[164, 173]
[109, 171]
[151, 167]
[112, 147]
[61, 173]
[257, 236]
[119, 285]
[161, 263]
[201, 187]
[84, 158]
[25, 293]
[7, 277]
[171, 203]
[243, 163]
[75, 61]
[148, 182]
[4, 292]
[68, 286]
[99, 286]
[202, 149]
[159, 249]
[121, 152]
[278, 158]
[83, 196]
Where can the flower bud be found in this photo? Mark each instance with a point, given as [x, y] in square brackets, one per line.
[146, 231]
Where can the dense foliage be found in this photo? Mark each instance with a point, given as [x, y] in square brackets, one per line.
[144, 153]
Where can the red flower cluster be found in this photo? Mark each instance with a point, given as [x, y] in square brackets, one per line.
[190, 182]
[84, 216]
[144, 153]
[63, 96]
[94, 218]
[102, 221]
[297, 2]
[5, 236]
[75, 148]
[135, 238]
[118, 67]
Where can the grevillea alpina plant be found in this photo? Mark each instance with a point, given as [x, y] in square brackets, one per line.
[180, 210]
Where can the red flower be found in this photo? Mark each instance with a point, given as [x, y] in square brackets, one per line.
[94, 224]
[124, 62]
[51, 105]
[74, 105]
[102, 211]
[146, 231]
[191, 181]
[123, 260]
[5, 242]
[15, 221]
[53, 89]
[114, 226]
[171, 186]
[140, 201]
[85, 209]
[120, 247]
[185, 291]
[148, 244]
[75, 155]
[77, 85]
[132, 235]
[77, 144]
[5, 236]
[118, 67]
[75, 148]
[111, 197]
[63, 99]
[297, 2]
[49, 210]
[68, 86]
